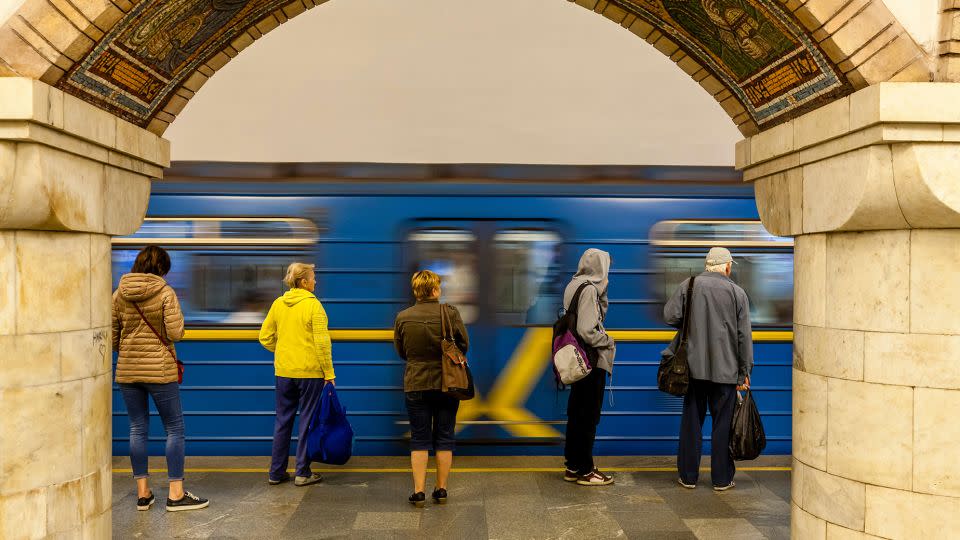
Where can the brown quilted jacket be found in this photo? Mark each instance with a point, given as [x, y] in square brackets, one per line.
[141, 356]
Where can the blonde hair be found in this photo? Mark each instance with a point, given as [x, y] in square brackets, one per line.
[424, 283]
[718, 268]
[296, 273]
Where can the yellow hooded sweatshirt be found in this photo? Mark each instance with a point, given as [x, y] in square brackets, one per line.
[295, 330]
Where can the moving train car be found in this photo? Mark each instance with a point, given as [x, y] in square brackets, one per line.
[505, 239]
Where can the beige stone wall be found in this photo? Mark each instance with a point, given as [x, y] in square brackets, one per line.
[867, 185]
[70, 175]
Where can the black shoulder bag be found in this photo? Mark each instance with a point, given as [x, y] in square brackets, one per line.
[673, 377]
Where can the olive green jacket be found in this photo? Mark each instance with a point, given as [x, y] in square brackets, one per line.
[416, 334]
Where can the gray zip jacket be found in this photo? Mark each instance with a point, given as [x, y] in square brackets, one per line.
[720, 344]
[592, 307]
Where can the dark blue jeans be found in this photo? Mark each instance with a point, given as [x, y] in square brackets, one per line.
[293, 393]
[720, 399]
[433, 420]
[167, 399]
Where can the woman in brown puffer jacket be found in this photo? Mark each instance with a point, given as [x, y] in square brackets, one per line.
[146, 321]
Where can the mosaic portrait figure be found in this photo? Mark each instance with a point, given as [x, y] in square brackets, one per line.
[739, 34]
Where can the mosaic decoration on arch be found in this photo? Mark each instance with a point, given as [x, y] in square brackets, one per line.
[755, 47]
[135, 68]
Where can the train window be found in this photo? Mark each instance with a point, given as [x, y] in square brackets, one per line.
[235, 231]
[451, 253]
[695, 233]
[225, 270]
[764, 263]
[528, 281]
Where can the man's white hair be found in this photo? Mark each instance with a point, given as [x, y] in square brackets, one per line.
[718, 268]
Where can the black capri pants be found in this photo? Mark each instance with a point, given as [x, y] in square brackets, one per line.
[433, 420]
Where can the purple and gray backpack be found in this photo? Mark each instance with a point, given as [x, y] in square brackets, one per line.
[572, 358]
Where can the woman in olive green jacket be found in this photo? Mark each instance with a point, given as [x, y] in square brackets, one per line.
[433, 414]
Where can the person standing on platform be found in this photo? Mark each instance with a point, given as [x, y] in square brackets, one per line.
[295, 330]
[146, 321]
[586, 395]
[720, 354]
[433, 414]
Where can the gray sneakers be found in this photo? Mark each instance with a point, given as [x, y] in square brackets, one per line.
[301, 481]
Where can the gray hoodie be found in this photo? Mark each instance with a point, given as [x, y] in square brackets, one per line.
[592, 309]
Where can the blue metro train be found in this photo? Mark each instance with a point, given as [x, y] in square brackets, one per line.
[505, 238]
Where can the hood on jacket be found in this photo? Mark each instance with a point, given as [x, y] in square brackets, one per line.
[295, 296]
[594, 268]
[140, 287]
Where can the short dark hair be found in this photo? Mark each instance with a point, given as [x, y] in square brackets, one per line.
[152, 260]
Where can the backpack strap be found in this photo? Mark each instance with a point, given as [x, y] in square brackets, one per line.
[575, 301]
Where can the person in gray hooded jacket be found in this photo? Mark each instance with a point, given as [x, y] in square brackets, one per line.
[586, 395]
[720, 354]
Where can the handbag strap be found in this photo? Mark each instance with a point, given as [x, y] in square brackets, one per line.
[685, 329]
[446, 332]
[154, 330]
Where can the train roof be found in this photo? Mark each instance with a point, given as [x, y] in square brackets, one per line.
[470, 178]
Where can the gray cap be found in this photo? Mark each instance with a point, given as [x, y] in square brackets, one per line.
[719, 255]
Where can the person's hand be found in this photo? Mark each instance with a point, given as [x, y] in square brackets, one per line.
[331, 382]
[746, 384]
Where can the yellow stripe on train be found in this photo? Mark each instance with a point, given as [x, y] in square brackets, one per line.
[623, 336]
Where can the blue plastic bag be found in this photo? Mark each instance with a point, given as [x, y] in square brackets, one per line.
[329, 435]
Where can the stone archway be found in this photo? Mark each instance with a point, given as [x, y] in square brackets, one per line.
[850, 147]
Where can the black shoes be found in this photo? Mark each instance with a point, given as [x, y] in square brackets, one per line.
[440, 496]
[144, 503]
[417, 499]
[275, 481]
[189, 501]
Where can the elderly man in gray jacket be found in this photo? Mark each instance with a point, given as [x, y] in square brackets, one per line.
[720, 353]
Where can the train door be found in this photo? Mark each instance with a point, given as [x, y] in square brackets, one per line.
[503, 277]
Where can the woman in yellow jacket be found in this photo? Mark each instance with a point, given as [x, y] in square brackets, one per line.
[295, 330]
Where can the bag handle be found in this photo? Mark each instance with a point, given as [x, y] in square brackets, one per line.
[154, 330]
[685, 329]
[444, 324]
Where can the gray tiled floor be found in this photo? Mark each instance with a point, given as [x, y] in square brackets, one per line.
[357, 501]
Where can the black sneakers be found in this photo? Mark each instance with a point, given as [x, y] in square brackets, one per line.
[144, 503]
[440, 496]
[570, 475]
[189, 501]
[595, 478]
[417, 499]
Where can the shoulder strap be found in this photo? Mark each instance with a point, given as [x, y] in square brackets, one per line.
[154, 330]
[575, 301]
[445, 324]
[685, 330]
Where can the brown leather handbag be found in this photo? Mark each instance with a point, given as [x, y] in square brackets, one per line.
[456, 381]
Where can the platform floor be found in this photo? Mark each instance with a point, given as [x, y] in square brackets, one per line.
[490, 497]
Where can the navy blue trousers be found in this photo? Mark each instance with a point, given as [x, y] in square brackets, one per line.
[293, 393]
[720, 399]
